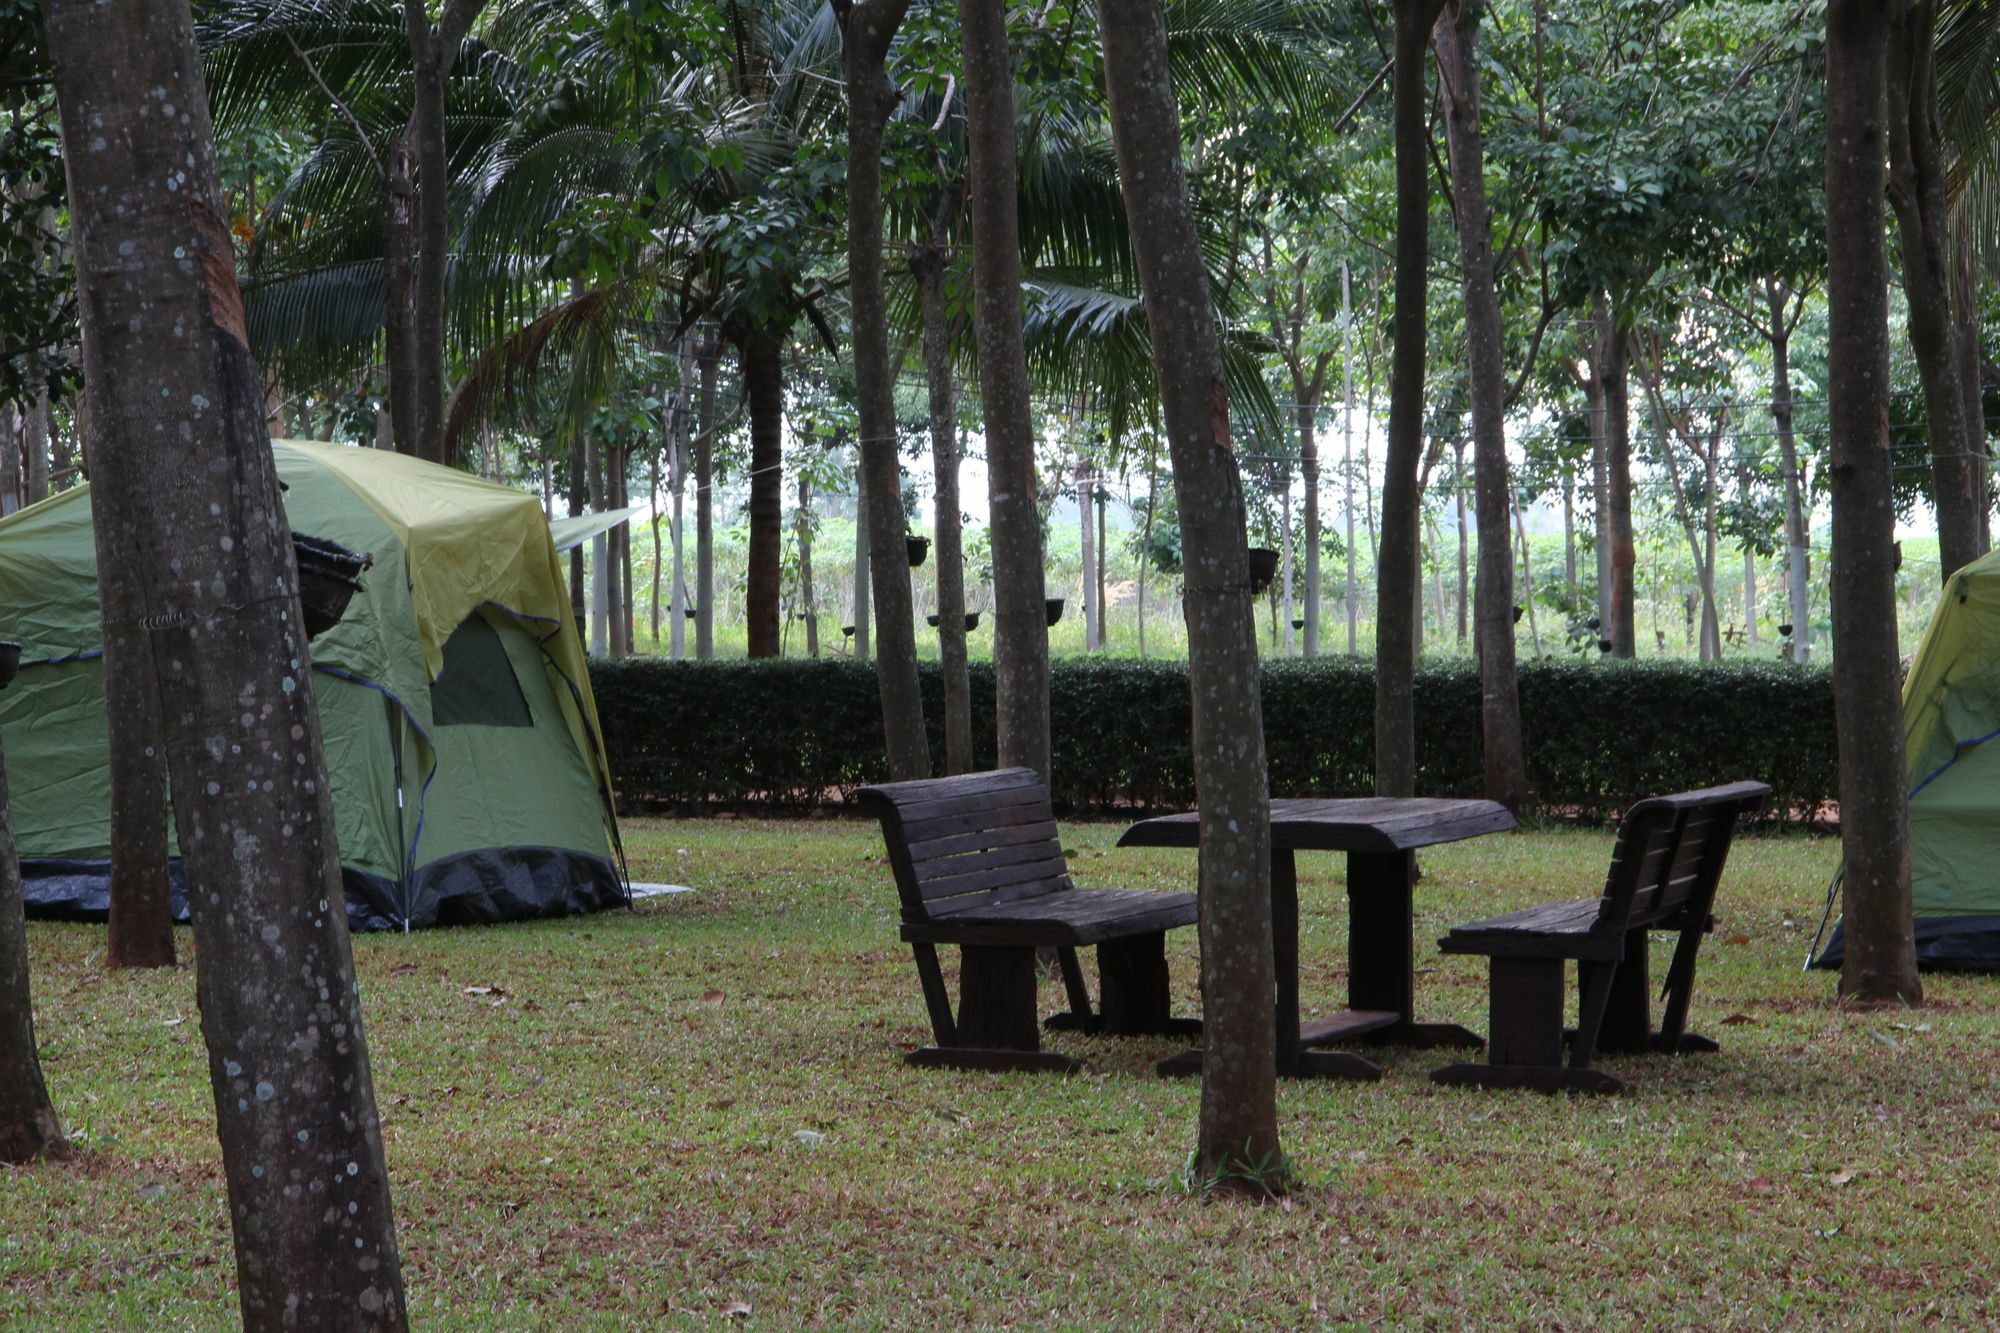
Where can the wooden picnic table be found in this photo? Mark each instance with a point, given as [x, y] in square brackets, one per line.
[1380, 836]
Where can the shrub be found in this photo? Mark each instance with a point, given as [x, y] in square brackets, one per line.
[793, 733]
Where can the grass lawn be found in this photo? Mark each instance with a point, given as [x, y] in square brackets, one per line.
[653, 1116]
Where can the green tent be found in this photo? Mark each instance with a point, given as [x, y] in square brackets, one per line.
[1951, 709]
[469, 779]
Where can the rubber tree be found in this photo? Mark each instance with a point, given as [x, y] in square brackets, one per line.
[29, 1128]
[928, 264]
[867, 31]
[1396, 567]
[1238, 1145]
[1610, 366]
[1506, 765]
[1881, 963]
[140, 932]
[1919, 200]
[1020, 625]
[170, 380]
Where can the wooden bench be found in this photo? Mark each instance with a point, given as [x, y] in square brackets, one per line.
[1664, 869]
[978, 864]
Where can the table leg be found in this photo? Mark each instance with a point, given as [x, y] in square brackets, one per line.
[1285, 954]
[1293, 1062]
[1381, 962]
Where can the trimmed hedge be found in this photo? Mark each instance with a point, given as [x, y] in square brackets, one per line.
[795, 733]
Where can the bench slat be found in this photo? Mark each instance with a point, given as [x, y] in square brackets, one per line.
[972, 840]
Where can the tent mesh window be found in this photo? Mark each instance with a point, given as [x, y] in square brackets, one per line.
[477, 686]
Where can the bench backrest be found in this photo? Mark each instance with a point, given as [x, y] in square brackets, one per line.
[960, 843]
[1670, 854]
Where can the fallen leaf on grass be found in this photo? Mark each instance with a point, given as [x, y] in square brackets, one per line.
[810, 1138]
[736, 1310]
[1738, 938]
[1842, 1176]
[173, 1022]
[483, 990]
[1886, 1039]
[713, 997]
[404, 969]
[1737, 1020]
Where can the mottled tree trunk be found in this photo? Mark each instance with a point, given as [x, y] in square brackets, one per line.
[807, 608]
[1881, 960]
[28, 1125]
[35, 448]
[1600, 498]
[1087, 556]
[10, 460]
[870, 99]
[181, 423]
[1309, 467]
[141, 928]
[928, 264]
[864, 609]
[1020, 637]
[433, 52]
[600, 550]
[1239, 1123]
[1917, 196]
[399, 268]
[1397, 619]
[764, 387]
[1506, 765]
[1610, 365]
[704, 503]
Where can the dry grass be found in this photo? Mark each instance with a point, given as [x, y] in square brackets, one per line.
[659, 1114]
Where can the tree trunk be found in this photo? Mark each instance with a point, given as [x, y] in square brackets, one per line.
[399, 267]
[806, 604]
[1239, 1145]
[864, 616]
[1464, 536]
[1285, 553]
[1881, 964]
[1086, 537]
[1020, 638]
[1610, 365]
[1506, 765]
[1918, 197]
[870, 99]
[10, 461]
[1103, 602]
[1309, 467]
[432, 187]
[1396, 573]
[949, 550]
[1600, 492]
[28, 1126]
[181, 424]
[600, 550]
[1749, 567]
[1569, 533]
[579, 490]
[1797, 539]
[677, 469]
[1347, 455]
[141, 929]
[35, 445]
[764, 387]
[704, 504]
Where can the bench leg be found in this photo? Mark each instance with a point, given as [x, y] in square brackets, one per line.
[1525, 1034]
[1134, 975]
[936, 998]
[996, 998]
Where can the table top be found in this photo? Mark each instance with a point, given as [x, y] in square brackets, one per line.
[1365, 824]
